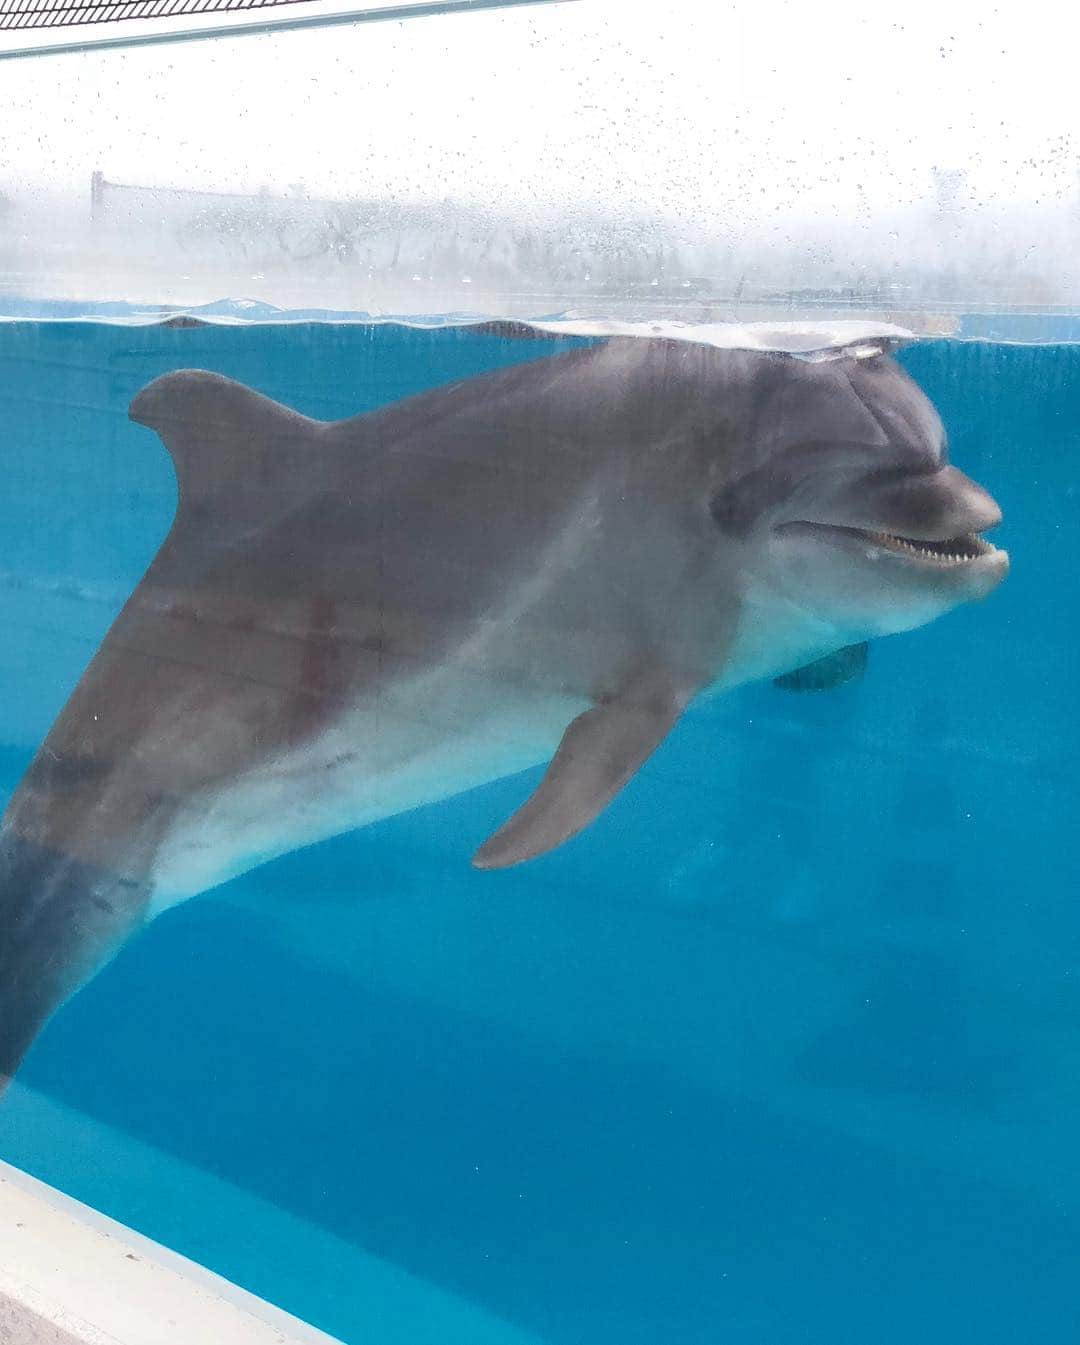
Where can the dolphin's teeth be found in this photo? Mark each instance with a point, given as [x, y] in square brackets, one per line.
[930, 550]
[971, 546]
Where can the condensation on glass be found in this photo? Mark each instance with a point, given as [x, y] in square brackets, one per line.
[695, 161]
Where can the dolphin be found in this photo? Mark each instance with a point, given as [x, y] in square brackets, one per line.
[547, 562]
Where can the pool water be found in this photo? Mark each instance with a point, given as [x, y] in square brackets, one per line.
[784, 1049]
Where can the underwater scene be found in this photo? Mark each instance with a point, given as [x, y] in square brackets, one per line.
[626, 787]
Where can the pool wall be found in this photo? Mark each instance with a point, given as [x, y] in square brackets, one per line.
[70, 1276]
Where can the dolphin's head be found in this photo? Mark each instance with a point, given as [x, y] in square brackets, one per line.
[847, 505]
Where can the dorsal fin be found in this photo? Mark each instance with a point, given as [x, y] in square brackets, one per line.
[223, 436]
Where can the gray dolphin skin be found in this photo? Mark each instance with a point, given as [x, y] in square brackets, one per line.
[547, 562]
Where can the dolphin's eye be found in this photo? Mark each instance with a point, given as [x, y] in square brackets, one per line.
[737, 505]
[728, 510]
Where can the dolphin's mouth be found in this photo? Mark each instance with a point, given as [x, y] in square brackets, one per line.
[938, 552]
[948, 551]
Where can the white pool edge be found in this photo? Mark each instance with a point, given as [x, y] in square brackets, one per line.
[72, 1276]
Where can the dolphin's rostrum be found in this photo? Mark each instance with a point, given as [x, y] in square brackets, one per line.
[348, 620]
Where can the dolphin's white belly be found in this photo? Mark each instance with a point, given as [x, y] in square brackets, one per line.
[437, 735]
[428, 739]
[415, 742]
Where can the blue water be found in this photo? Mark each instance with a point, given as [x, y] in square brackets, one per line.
[785, 1049]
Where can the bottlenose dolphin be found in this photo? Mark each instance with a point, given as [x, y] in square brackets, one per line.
[553, 560]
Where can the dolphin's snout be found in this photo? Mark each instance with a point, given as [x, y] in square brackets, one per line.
[931, 507]
[993, 513]
[971, 503]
